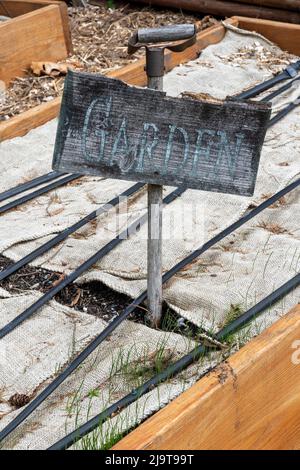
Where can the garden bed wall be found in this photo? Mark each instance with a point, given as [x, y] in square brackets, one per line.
[37, 31]
[251, 401]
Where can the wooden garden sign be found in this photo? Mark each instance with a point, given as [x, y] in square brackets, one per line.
[110, 129]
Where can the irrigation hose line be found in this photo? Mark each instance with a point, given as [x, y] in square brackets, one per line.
[176, 367]
[54, 174]
[231, 228]
[67, 232]
[290, 72]
[83, 267]
[135, 303]
[21, 188]
[38, 192]
[9, 327]
[290, 107]
[90, 348]
[279, 90]
[113, 325]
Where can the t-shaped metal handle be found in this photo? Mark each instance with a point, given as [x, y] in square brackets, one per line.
[144, 37]
[156, 40]
[166, 33]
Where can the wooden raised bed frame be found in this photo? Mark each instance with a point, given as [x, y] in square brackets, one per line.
[38, 31]
[252, 401]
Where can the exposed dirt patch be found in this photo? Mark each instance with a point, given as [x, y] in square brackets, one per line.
[93, 298]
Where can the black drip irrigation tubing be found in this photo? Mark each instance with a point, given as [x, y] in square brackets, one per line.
[176, 367]
[21, 188]
[63, 235]
[231, 228]
[280, 90]
[290, 107]
[116, 241]
[113, 325]
[67, 232]
[82, 268]
[38, 192]
[135, 303]
[289, 73]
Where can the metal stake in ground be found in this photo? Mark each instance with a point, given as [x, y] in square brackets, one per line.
[155, 71]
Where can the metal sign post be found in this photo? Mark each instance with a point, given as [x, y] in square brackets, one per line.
[155, 68]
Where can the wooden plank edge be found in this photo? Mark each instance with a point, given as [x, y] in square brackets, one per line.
[22, 7]
[66, 25]
[33, 17]
[21, 124]
[251, 401]
[15, 8]
[285, 35]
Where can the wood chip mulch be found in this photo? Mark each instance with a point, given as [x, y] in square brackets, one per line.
[99, 37]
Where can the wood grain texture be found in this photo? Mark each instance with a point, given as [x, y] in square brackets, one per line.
[35, 117]
[252, 401]
[154, 242]
[229, 8]
[286, 36]
[41, 35]
[15, 8]
[65, 24]
[111, 129]
[154, 254]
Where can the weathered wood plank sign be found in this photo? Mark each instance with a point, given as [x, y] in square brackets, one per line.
[111, 129]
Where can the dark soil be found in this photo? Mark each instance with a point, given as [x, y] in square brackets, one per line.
[94, 298]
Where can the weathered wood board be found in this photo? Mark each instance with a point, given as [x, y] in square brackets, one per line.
[249, 402]
[111, 129]
[42, 34]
